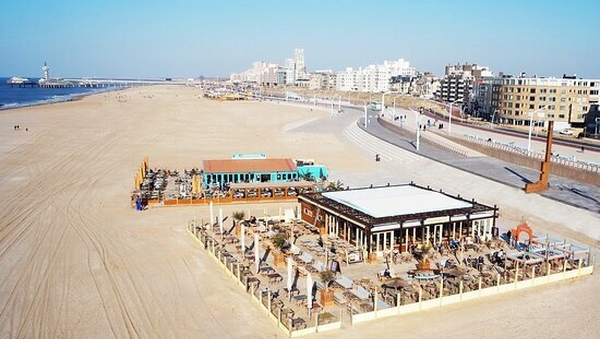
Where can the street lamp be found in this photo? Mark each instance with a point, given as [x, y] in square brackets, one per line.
[531, 126]
[366, 118]
[493, 117]
[450, 115]
[383, 102]
[418, 127]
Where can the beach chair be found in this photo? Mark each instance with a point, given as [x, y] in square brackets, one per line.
[339, 299]
[361, 293]
[344, 282]
[381, 305]
[295, 250]
[305, 258]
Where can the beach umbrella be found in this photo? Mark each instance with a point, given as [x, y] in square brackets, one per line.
[395, 283]
[243, 240]
[289, 274]
[256, 254]
[309, 288]
[212, 216]
[456, 272]
[221, 220]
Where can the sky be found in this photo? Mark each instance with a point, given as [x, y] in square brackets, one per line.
[190, 38]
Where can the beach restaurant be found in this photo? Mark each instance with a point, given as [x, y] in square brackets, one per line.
[379, 219]
[257, 168]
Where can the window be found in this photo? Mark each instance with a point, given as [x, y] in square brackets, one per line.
[510, 105]
[517, 105]
[531, 106]
[562, 108]
[563, 99]
[561, 116]
[542, 98]
[543, 90]
[518, 97]
[553, 90]
[532, 90]
[584, 108]
[531, 98]
[550, 115]
[553, 99]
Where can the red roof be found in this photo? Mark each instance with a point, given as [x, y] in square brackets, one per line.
[249, 165]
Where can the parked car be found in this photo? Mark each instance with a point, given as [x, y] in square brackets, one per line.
[566, 131]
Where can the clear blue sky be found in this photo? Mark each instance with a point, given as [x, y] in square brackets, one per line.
[146, 38]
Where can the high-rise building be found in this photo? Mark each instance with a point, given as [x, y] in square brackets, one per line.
[299, 62]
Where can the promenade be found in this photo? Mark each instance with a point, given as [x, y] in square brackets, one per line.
[565, 190]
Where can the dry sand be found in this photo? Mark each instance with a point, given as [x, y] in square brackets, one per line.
[77, 262]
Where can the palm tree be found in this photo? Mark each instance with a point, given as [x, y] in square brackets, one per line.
[238, 215]
[335, 186]
[307, 176]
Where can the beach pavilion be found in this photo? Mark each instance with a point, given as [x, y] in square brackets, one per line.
[379, 219]
[257, 168]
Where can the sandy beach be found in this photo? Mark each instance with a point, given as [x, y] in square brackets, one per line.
[78, 262]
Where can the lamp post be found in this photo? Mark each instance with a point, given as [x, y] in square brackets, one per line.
[493, 117]
[450, 115]
[383, 102]
[418, 128]
[366, 117]
[531, 127]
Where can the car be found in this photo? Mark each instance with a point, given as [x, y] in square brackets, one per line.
[566, 131]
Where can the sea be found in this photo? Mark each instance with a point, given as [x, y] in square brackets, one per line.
[14, 97]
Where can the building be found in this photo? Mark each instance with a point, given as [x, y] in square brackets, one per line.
[323, 79]
[268, 74]
[374, 78]
[257, 168]
[380, 219]
[592, 122]
[457, 83]
[514, 99]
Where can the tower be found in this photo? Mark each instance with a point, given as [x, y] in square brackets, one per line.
[299, 61]
[46, 71]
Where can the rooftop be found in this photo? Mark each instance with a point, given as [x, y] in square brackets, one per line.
[249, 165]
[396, 200]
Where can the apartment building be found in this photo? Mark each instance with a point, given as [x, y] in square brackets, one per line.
[567, 99]
[457, 82]
[373, 78]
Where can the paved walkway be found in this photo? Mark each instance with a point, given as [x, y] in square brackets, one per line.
[567, 191]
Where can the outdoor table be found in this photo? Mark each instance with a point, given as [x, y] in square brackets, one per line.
[299, 299]
[266, 270]
[298, 323]
[274, 278]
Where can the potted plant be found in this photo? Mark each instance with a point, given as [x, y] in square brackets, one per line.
[280, 243]
[237, 217]
[327, 294]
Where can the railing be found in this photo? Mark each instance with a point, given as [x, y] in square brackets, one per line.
[569, 161]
